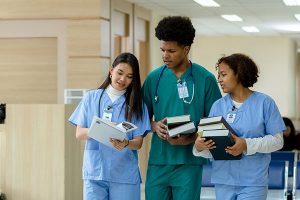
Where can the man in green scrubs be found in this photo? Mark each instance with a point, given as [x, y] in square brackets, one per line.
[176, 88]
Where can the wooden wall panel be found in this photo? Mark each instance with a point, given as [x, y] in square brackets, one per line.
[121, 26]
[73, 160]
[105, 38]
[35, 152]
[49, 9]
[105, 9]
[43, 158]
[83, 38]
[2, 157]
[28, 70]
[142, 18]
[86, 73]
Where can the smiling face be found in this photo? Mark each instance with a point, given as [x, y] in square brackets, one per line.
[227, 79]
[173, 55]
[121, 76]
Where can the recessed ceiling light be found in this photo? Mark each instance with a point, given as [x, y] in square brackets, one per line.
[291, 2]
[289, 27]
[232, 18]
[207, 3]
[250, 29]
[297, 16]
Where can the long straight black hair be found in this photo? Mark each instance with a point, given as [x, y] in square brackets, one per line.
[134, 105]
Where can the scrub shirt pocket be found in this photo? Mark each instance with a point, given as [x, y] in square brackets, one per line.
[91, 164]
[124, 165]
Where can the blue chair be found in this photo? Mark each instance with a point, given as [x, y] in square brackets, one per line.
[207, 188]
[291, 156]
[278, 180]
[296, 181]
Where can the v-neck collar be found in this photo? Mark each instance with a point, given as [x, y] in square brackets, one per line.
[117, 101]
[184, 75]
[245, 104]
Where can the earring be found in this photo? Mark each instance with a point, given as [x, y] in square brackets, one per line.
[110, 76]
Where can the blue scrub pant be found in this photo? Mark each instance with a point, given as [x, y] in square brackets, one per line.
[173, 182]
[229, 192]
[104, 190]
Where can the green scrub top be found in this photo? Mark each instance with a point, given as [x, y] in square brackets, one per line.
[206, 92]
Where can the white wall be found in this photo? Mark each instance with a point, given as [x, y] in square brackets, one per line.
[275, 57]
[155, 51]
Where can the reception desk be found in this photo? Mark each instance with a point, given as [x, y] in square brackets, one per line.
[40, 156]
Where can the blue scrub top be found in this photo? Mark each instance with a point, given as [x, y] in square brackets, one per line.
[257, 117]
[101, 162]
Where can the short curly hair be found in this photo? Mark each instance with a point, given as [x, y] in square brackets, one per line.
[176, 28]
[243, 66]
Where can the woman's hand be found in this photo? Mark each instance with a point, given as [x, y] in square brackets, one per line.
[118, 144]
[133, 144]
[238, 148]
[203, 144]
[81, 133]
[160, 128]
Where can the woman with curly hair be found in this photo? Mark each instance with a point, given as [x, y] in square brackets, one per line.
[258, 124]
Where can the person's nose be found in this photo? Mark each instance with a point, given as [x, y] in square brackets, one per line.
[219, 80]
[122, 78]
[165, 55]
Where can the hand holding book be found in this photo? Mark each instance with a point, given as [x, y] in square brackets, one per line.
[202, 143]
[119, 144]
[103, 131]
[160, 128]
[180, 125]
[238, 148]
[224, 145]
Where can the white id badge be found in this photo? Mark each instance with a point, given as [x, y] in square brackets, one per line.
[107, 114]
[182, 90]
[230, 117]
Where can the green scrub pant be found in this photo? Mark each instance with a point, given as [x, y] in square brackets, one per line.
[173, 182]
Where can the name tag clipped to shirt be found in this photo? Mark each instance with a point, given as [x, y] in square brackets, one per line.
[182, 89]
[107, 113]
[230, 117]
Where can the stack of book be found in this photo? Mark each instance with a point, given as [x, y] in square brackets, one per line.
[218, 130]
[180, 125]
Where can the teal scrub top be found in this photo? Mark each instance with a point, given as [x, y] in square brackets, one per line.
[206, 92]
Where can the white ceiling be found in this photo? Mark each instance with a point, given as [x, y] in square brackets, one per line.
[270, 16]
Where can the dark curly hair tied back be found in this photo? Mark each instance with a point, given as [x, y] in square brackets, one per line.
[243, 66]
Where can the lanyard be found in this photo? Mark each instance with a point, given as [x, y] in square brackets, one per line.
[108, 107]
[159, 77]
[100, 102]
